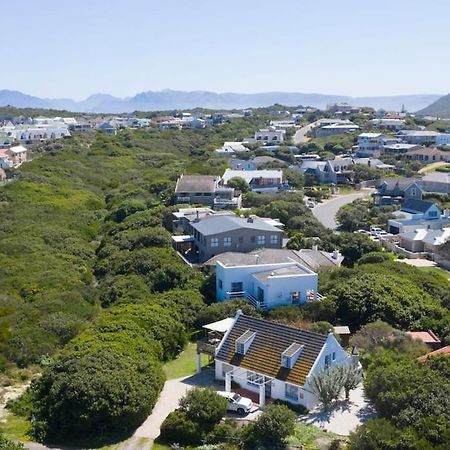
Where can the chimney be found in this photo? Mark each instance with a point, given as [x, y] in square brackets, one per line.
[335, 254]
[197, 217]
[315, 247]
[250, 219]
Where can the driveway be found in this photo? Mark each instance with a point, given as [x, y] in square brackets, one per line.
[344, 416]
[326, 212]
[171, 394]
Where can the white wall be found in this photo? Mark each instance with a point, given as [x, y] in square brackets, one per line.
[277, 289]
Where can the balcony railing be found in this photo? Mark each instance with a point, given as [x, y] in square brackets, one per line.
[206, 347]
[252, 300]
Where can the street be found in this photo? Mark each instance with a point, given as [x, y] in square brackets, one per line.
[326, 212]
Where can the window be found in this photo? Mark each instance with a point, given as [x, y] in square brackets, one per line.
[334, 356]
[274, 239]
[252, 378]
[252, 238]
[327, 361]
[237, 286]
[433, 213]
[291, 391]
[227, 242]
[240, 348]
[220, 284]
[241, 239]
[261, 240]
[295, 297]
[214, 242]
[286, 362]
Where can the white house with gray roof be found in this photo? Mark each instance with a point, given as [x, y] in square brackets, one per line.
[268, 278]
[268, 180]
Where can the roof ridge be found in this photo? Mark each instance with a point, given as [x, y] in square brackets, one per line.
[281, 325]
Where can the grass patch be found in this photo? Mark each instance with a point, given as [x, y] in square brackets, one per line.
[15, 428]
[185, 364]
[309, 437]
[160, 446]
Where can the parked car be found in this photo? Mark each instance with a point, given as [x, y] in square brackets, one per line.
[375, 230]
[363, 232]
[236, 403]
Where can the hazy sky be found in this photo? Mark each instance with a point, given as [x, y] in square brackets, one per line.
[57, 48]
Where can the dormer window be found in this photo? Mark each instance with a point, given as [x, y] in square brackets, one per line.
[290, 355]
[244, 341]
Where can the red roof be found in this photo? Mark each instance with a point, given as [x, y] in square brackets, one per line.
[441, 351]
[427, 337]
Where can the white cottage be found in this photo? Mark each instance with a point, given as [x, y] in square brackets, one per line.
[275, 360]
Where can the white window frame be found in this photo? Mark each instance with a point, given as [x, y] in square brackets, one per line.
[227, 241]
[274, 238]
[214, 242]
[288, 391]
[261, 239]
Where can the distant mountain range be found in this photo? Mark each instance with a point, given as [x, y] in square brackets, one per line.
[439, 108]
[169, 100]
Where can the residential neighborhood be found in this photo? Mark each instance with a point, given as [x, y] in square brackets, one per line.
[225, 226]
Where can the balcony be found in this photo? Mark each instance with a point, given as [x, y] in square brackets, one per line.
[207, 347]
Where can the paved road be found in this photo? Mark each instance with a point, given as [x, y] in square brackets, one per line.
[326, 212]
[300, 134]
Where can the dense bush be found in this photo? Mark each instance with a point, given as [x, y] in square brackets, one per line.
[99, 389]
[179, 428]
[402, 296]
[271, 428]
[200, 412]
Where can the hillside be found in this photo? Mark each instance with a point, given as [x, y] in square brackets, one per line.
[170, 99]
[439, 108]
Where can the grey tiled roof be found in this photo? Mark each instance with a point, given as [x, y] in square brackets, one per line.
[416, 205]
[222, 224]
[196, 183]
[314, 259]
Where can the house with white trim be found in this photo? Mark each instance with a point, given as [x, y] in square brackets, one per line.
[275, 360]
[266, 180]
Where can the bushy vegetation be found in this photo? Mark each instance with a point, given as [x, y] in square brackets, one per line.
[360, 214]
[411, 398]
[396, 293]
[87, 265]
[199, 412]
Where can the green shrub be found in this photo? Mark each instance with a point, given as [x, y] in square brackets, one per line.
[179, 428]
[299, 409]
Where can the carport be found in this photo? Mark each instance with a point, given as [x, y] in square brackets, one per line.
[261, 381]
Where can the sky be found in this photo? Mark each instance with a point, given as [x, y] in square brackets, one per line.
[54, 48]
